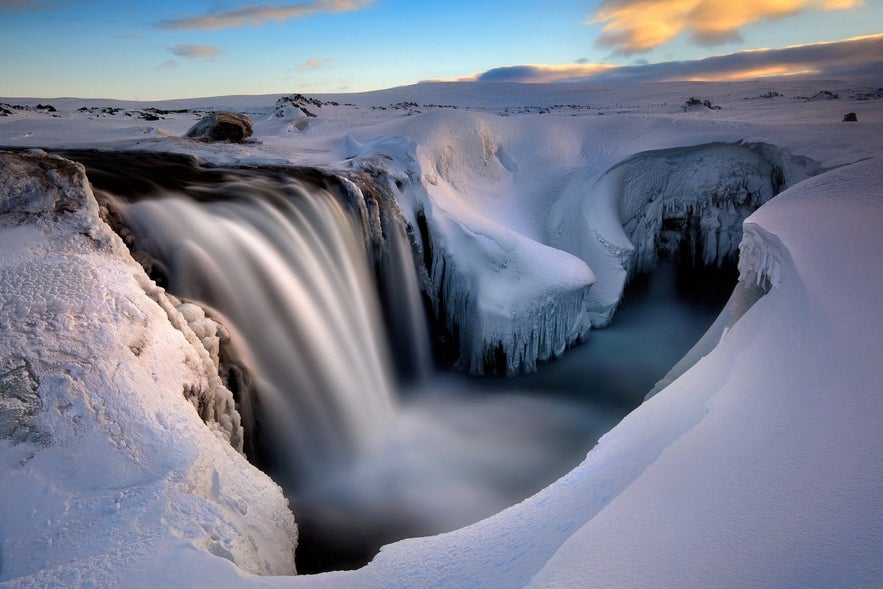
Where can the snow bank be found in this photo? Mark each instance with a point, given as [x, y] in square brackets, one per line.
[104, 460]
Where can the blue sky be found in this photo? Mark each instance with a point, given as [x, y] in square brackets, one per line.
[183, 48]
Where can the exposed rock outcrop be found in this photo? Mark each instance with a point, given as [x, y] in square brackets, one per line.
[222, 126]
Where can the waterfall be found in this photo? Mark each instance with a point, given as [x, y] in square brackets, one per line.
[314, 277]
[286, 264]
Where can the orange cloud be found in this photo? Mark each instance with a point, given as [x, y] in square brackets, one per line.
[314, 63]
[634, 26]
[855, 59]
[534, 73]
[754, 74]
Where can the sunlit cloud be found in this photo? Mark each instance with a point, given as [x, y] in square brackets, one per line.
[855, 59]
[635, 26]
[534, 73]
[543, 73]
[314, 63]
[196, 51]
[256, 15]
[771, 71]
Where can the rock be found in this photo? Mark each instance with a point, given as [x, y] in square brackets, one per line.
[19, 402]
[850, 118]
[221, 126]
[824, 95]
[694, 103]
[34, 183]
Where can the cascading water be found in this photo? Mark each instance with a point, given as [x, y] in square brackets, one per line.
[286, 268]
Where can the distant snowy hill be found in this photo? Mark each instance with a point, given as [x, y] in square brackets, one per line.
[757, 466]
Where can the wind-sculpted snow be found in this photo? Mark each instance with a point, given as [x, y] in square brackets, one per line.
[104, 461]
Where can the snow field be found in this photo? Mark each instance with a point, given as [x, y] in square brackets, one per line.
[757, 466]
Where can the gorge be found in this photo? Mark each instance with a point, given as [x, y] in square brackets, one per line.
[317, 278]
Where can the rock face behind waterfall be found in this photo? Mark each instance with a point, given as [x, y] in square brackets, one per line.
[222, 126]
[102, 384]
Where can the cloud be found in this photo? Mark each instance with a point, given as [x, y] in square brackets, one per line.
[314, 63]
[538, 74]
[857, 59]
[256, 15]
[167, 64]
[635, 26]
[196, 51]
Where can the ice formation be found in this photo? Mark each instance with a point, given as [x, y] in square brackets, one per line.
[506, 301]
[503, 300]
[688, 201]
[509, 299]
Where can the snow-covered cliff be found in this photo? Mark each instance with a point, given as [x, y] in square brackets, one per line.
[103, 382]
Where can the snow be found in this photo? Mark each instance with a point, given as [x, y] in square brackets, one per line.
[757, 464]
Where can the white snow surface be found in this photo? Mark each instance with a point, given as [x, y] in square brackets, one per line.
[759, 465]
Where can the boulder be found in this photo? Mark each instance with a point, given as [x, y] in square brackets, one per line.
[850, 118]
[221, 126]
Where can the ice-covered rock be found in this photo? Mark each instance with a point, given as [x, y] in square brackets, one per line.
[507, 302]
[103, 458]
[503, 300]
[694, 104]
[824, 95]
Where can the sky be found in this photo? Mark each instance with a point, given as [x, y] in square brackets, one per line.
[188, 48]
